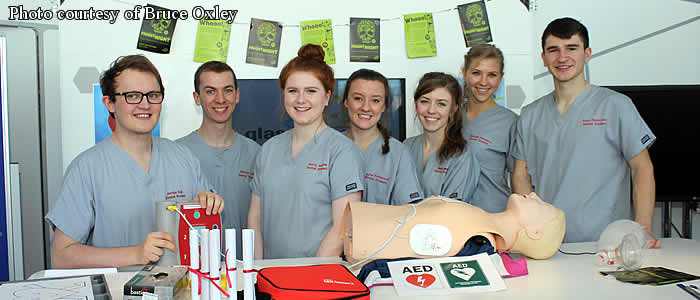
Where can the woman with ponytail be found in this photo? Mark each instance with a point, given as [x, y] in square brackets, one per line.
[304, 177]
[390, 176]
[444, 163]
[488, 127]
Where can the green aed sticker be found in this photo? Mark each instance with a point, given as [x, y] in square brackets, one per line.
[464, 274]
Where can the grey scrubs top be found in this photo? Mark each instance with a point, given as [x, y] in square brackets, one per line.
[296, 194]
[578, 161]
[491, 136]
[108, 200]
[390, 178]
[456, 178]
[229, 170]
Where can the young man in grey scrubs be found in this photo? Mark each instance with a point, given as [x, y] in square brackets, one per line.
[105, 212]
[227, 157]
[580, 144]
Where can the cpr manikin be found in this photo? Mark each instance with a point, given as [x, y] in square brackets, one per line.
[439, 226]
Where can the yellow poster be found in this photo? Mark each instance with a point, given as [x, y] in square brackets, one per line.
[212, 40]
[420, 35]
[319, 33]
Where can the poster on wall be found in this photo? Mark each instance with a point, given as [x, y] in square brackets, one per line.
[212, 40]
[420, 35]
[475, 23]
[320, 33]
[364, 40]
[156, 35]
[260, 114]
[263, 43]
[4, 175]
[104, 123]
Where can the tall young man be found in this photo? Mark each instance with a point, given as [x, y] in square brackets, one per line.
[227, 158]
[105, 212]
[581, 145]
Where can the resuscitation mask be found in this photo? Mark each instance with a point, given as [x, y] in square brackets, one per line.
[622, 243]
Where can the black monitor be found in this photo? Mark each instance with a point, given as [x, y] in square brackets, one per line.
[672, 113]
[260, 115]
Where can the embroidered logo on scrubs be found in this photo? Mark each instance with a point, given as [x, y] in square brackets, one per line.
[351, 186]
[317, 167]
[376, 178]
[245, 174]
[479, 139]
[174, 195]
[595, 122]
[645, 139]
[414, 195]
[441, 170]
[453, 195]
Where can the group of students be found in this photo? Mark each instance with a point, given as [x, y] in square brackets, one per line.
[576, 147]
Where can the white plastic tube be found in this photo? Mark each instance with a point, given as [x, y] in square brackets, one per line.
[194, 262]
[248, 237]
[232, 276]
[204, 252]
[214, 263]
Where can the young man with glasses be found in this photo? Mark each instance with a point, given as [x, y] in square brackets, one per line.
[105, 212]
[227, 158]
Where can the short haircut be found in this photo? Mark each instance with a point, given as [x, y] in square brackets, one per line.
[135, 62]
[216, 67]
[565, 28]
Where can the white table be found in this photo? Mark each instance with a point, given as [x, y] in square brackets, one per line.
[576, 277]
[559, 277]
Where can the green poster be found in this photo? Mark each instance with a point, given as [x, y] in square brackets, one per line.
[364, 40]
[156, 35]
[420, 35]
[475, 23]
[319, 33]
[464, 274]
[212, 40]
[263, 43]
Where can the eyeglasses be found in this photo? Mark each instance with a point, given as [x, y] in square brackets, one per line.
[135, 97]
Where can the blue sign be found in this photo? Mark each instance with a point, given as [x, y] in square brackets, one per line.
[260, 113]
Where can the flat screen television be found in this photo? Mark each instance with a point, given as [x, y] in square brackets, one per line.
[260, 115]
[673, 113]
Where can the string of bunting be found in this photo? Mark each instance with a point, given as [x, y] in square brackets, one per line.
[264, 37]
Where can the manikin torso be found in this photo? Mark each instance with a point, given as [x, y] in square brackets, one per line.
[529, 225]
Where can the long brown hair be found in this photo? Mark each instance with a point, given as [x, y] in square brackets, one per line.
[371, 75]
[453, 144]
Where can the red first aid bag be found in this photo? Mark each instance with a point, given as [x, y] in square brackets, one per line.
[311, 282]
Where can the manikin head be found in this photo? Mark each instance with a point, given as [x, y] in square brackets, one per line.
[541, 226]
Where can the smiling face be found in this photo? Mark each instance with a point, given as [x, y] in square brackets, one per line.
[565, 58]
[217, 95]
[434, 109]
[366, 102]
[139, 118]
[305, 98]
[483, 77]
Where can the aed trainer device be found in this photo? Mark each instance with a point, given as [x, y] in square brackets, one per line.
[200, 220]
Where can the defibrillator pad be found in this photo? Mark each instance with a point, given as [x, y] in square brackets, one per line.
[430, 240]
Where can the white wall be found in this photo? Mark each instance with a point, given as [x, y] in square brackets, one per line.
[98, 43]
[667, 58]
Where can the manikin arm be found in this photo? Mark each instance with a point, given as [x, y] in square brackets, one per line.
[520, 180]
[332, 243]
[644, 188]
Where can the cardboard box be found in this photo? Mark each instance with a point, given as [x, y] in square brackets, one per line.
[164, 281]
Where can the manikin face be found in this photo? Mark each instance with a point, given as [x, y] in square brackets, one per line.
[532, 211]
[365, 103]
[483, 77]
[565, 58]
[434, 109]
[139, 118]
[305, 98]
[217, 95]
